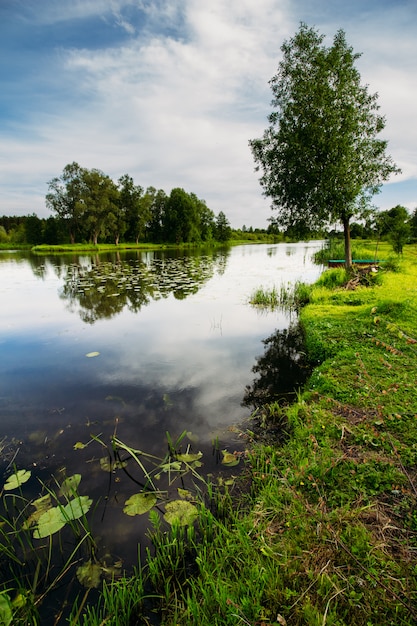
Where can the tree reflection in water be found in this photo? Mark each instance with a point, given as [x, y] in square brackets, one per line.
[282, 370]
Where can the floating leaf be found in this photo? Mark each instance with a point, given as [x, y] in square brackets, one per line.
[184, 494]
[173, 466]
[49, 523]
[108, 466]
[139, 503]
[17, 479]
[229, 459]
[89, 574]
[77, 508]
[79, 445]
[180, 512]
[92, 354]
[41, 505]
[70, 485]
[6, 613]
[188, 457]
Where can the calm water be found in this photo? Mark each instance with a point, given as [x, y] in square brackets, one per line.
[176, 339]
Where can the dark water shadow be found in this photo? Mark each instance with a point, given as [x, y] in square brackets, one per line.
[281, 371]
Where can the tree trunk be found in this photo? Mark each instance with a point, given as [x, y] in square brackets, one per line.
[116, 240]
[348, 249]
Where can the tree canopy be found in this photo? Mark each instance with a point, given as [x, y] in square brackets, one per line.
[92, 206]
[320, 157]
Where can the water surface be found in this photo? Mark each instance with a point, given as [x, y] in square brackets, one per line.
[177, 341]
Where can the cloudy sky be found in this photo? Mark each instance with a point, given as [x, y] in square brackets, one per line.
[170, 92]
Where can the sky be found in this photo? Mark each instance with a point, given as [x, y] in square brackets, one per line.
[171, 91]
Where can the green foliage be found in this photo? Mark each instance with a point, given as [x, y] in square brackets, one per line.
[321, 158]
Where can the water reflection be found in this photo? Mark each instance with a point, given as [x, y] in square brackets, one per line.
[281, 370]
[100, 288]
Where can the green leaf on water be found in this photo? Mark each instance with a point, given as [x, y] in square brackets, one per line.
[180, 512]
[79, 445]
[89, 574]
[184, 494]
[77, 507]
[173, 466]
[139, 503]
[92, 354]
[70, 485]
[229, 459]
[15, 480]
[6, 613]
[108, 466]
[49, 523]
[188, 457]
[41, 505]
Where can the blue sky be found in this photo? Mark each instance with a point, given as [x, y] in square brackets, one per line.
[170, 92]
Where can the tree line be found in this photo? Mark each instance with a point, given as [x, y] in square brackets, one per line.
[88, 206]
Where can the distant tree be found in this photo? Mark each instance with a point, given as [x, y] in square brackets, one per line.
[4, 237]
[98, 203]
[223, 229]
[205, 219]
[64, 198]
[181, 218]
[130, 196]
[158, 200]
[33, 229]
[320, 156]
[413, 224]
[51, 234]
[395, 226]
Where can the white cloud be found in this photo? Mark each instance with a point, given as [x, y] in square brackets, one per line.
[179, 110]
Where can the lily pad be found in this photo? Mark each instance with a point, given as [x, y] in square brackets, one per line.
[180, 512]
[139, 503]
[89, 574]
[77, 507]
[108, 466]
[41, 505]
[229, 459]
[6, 613]
[188, 457]
[15, 480]
[92, 354]
[184, 494]
[172, 466]
[49, 523]
[70, 485]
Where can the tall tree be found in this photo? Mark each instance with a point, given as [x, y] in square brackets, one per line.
[181, 218]
[321, 156]
[64, 197]
[99, 203]
[223, 229]
[155, 227]
[130, 196]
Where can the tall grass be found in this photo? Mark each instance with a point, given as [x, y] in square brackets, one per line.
[335, 249]
[290, 296]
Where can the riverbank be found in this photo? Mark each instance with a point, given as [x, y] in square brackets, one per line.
[326, 531]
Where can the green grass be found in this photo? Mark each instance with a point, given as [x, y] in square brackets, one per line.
[287, 297]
